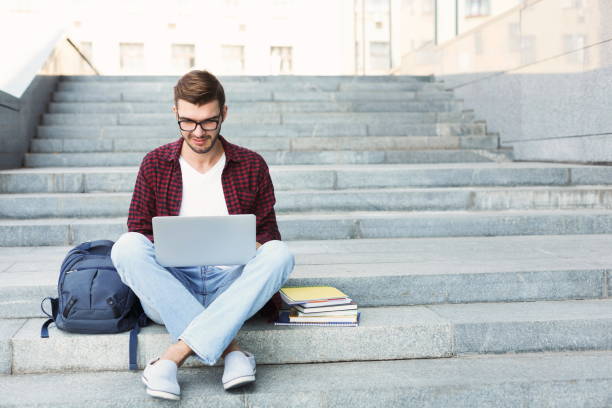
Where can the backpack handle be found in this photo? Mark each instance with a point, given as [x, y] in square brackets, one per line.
[54, 307]
[44, 331]
[86, 246]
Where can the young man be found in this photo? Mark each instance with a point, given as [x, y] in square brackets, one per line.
[202, 307]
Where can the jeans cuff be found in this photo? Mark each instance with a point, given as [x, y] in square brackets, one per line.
[198, 355]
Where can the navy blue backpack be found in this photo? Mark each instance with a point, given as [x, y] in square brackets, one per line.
[92, 299]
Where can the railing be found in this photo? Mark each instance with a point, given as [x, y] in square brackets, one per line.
[68, 59]
[83, 56]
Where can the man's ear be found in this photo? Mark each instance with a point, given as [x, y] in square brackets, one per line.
[224, 113]
[174, 108]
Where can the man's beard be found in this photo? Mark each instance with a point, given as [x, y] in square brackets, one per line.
[195, 149]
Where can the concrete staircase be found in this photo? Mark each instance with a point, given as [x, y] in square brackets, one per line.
[482, 281]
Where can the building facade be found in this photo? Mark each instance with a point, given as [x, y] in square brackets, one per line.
[229, 37]
[538, 73]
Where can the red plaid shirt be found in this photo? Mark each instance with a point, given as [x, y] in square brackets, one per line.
[246, 182]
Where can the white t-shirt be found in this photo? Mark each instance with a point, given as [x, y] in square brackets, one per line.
[203, 192]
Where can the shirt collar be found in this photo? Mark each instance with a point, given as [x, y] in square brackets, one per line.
[173, 150]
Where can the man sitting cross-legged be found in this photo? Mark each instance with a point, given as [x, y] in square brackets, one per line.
[203, 307]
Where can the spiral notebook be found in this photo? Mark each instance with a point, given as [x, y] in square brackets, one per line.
[283, 320]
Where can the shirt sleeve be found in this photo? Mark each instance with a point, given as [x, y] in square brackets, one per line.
[267, 228]
[142, 208]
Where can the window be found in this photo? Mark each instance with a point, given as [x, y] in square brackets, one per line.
[573, 45]
[379, 55]
[380, 6]
[86, 49]
[514, 37]
[478, 44]
[131, 57]
[183, 57]
[281, 61]
[409, 6]
[567, 4]
[358, 59]
[428, 7]
[477, 8]
[280, 3]
[233, 59]
[528, 49]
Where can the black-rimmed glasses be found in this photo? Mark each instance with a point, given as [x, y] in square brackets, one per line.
[189, 125]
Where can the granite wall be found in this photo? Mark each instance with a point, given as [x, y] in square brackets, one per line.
[19, 118]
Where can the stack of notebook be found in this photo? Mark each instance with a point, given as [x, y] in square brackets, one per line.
[316, 306]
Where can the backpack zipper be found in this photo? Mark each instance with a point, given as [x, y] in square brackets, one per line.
[76, 257]
[106, 268]
[68, 307]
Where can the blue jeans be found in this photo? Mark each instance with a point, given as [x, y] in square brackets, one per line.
[204, 306]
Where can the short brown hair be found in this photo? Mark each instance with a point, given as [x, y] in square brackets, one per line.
[199, 87]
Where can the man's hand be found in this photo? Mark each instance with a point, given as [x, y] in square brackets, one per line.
[257, 245]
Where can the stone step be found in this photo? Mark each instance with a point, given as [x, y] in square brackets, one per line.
[166, 96]
[387, 272]
[265, 107]
[331, 226]
[285, 144]
[435, 331]
[419, 333]
[547, 379]
[364, 118]
[235, 87]
[262, 130]
[251, 78]
[569, 379]
[329, 177]
[284, 157]
[83, 205]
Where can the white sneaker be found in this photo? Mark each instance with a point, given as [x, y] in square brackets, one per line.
[160, 378]
[239, 369]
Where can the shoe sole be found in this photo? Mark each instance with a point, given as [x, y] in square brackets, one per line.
[240, 381]
[158, 393]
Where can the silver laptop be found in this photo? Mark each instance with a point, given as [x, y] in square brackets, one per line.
[197, 241]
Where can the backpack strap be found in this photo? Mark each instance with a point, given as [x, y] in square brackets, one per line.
[44, 331]
[142, 321]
